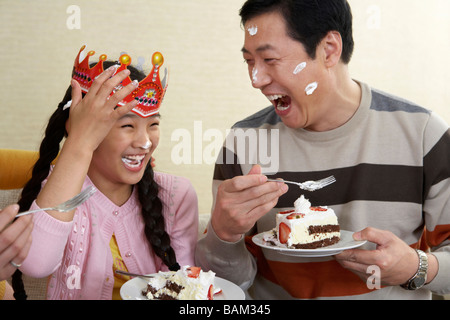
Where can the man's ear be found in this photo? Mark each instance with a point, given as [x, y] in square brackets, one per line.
[331, 49]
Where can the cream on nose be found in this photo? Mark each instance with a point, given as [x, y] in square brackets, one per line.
[254, 75]
[147, 145]
[259, 78]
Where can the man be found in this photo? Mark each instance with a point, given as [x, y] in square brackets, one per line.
[391, 159]
[15, 241]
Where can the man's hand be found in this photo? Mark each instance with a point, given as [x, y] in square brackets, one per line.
[15, 239]
[397, 261]
[241, 201]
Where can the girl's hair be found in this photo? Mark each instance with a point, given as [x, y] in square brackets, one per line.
[148, 189]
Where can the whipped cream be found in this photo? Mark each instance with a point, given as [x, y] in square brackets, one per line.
[302, 205]
[300, 68]
[253, 30]
[311, 88]
[193, 288]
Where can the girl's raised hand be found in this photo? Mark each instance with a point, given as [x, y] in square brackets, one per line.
[92, 117]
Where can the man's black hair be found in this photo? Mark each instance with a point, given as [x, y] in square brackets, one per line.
[308, 21]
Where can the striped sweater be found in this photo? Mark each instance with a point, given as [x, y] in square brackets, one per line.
[392, 165]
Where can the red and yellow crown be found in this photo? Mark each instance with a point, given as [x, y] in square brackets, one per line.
[149, 93]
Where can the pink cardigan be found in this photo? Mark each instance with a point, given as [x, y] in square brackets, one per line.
[77, 254]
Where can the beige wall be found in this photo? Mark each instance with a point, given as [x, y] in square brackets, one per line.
[402, 46]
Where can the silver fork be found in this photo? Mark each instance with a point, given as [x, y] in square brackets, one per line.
[69, 204]
[133, 274]
[310, 185]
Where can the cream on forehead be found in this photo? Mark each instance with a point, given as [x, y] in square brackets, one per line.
[310, 88]
[254, 73]
[252, 30]
[299, 68]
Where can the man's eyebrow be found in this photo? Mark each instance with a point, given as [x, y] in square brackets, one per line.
[264, 47]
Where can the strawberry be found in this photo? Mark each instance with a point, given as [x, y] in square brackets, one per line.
[286, 212]
[318, 209]
[194, 272]
[284, 232]
[210, 292]
[295, 216]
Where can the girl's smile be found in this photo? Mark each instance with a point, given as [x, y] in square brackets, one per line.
[134, 162]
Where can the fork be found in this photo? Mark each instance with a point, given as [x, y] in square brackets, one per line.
[310, 185]
[69, 204]
[133, 274]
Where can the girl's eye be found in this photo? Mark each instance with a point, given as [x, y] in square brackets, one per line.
[153, 124]
[127, 126]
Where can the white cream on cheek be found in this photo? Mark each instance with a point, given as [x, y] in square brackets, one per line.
[310, 88]
[299, 68]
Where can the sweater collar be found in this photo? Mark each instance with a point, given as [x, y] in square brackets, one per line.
[129, 206]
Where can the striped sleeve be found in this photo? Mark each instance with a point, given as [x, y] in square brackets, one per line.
[437, 199]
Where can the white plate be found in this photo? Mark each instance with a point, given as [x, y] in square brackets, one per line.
[345, 243]
[132, 290]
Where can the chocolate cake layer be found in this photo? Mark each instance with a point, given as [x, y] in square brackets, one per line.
[169, 286]
[317, 244]
[324, 229]
[172, 286]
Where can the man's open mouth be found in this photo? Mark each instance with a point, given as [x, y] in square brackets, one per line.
[280, 102]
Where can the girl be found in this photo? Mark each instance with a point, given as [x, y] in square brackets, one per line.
[138, 221]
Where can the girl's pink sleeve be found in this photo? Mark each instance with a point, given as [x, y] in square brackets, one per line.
[49, 238]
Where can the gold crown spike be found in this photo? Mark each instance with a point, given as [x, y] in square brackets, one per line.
[149, 93]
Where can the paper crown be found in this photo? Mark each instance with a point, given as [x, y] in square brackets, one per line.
[149, 93]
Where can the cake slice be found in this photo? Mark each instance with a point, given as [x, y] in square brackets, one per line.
[307, 227]
[188, 283]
